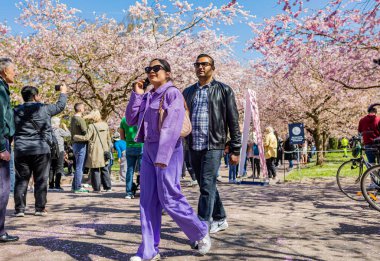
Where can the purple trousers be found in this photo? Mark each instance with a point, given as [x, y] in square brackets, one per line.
[160, 189]
[5, 187]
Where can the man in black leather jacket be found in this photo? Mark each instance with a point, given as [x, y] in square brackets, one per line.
[213, 114]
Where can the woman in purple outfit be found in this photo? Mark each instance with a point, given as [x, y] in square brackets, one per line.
[162, 160]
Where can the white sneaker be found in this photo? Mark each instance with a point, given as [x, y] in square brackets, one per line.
[204, 245]
[19, 214]
[137, 258]
[193, 183]
[41, 213]
[129, 197]
[217, 226]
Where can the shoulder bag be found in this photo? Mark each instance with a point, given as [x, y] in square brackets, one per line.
[186, 125]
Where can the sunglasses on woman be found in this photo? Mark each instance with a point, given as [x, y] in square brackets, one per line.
[155, 68]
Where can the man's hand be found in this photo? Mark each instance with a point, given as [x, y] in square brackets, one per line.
[234, 159]
[5, 155]
[63, 88]
[160, 165]
[119, 160]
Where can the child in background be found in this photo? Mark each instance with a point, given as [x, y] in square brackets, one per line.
[120, 146]
[233, 168]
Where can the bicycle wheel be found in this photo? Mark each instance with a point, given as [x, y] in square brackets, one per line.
[348, 179]
[370, 185]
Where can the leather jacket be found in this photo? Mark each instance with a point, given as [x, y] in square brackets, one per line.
[223, 116]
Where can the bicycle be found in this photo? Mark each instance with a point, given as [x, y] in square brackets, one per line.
[370, 186]
[350, 173]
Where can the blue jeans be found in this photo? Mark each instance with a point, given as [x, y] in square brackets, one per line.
[371, 153]
[133, 161]
[226, 159]
[4, 190]
[206, 164]
[291, 164]
[232, 173]
[79, 150]
[12, 171]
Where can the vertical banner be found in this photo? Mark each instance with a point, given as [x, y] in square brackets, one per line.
[251, 114]
[296, 133]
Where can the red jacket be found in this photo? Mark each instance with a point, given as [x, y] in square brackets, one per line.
[369, 128]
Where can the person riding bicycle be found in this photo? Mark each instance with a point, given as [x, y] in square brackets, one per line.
[369, 127]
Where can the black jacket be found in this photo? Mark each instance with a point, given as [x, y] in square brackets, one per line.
[223, 116]
[290, 148]
[7, 126]
[27, 140]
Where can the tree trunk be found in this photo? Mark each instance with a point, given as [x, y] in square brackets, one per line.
[319, 144]
[325, 142]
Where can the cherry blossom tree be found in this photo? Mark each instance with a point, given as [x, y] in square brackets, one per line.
[305, 95]
[350, 27]
[99, 60]
[317, 66]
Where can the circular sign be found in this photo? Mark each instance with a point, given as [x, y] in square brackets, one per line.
[296, 131]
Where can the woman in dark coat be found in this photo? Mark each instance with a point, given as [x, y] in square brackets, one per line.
[289, 150]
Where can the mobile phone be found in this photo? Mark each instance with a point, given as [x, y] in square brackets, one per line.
[57, 88]
[146, 83]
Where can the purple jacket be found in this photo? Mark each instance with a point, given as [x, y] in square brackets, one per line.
[142, 110]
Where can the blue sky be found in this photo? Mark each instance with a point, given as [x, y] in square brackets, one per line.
[113, 8]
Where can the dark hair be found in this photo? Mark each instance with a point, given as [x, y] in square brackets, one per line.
[77, 106]
[164, 65]
[208, 56]
[372, 110]
[28, 93]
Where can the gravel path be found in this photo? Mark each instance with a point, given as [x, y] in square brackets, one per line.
[292, 221]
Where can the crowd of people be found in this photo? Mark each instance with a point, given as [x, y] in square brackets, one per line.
[150, 141]
[153, 140]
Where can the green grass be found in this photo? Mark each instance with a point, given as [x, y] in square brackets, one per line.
[116, 165]
[328, 169]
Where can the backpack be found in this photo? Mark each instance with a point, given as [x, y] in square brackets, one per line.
[54, 147]
[256, 150]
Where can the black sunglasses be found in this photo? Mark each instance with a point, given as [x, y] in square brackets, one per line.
[204, 64]
[155, 68]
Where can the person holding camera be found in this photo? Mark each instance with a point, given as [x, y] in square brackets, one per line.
[33, 144]
[98, 152]
[162, 161]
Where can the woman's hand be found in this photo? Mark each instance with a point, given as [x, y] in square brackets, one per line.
[160, 165]
[138, 87]
[64, 126]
